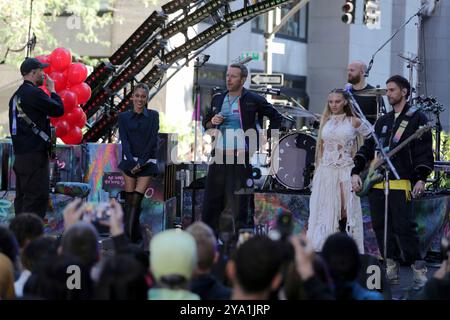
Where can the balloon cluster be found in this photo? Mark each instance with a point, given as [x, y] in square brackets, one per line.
[70, 86]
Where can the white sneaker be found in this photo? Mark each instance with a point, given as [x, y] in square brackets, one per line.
[392, 270]
[419, 276]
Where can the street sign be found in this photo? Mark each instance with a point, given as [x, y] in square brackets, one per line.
[256, 55]
[275, 79]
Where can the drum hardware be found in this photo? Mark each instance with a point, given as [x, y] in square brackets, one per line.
[291, 160]
[294, 111]
[442, 166]
[373, 92]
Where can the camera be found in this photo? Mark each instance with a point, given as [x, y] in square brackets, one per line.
[244, 235]
[97, 211]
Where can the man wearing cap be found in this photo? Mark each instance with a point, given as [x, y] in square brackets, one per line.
[29, 125]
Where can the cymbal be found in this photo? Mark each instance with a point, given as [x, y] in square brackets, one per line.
[294, 111]
[371, 92]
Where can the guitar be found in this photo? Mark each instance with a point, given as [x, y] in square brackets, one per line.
[373, 176]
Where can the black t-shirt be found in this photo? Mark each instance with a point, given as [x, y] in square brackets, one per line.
[368, 105]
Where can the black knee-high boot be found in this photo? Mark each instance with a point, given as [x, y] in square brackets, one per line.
[342, 224]
[135, 213]
[126, 213]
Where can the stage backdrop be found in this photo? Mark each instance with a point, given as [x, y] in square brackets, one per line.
[95, 164]
[432, 216]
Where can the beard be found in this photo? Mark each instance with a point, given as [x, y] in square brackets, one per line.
[40, 81]
[354, 79]
[393, 101]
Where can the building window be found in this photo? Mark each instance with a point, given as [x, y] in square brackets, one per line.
[296, 28]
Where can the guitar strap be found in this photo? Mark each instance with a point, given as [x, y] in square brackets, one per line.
[21, 115]
[400, 130]
[404, 124]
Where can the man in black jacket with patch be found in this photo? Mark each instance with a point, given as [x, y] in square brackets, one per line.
[413, 163]
[234, 113]
[29, 124]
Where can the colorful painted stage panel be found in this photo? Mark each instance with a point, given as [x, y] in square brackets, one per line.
[432, 216]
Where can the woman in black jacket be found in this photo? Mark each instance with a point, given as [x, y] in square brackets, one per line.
[138, 130]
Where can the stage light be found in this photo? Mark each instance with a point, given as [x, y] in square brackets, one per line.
[349, 12]
[175, 5]
[91, 107]
[192, 19]
[137, 64]
[100, 128]
[155, 21]
[258, 8]
[100, 73]
[372, 14]
[196, 42]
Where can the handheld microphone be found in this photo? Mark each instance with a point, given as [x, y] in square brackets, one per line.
[348, 88]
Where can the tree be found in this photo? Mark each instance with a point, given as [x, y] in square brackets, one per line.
[15, 21]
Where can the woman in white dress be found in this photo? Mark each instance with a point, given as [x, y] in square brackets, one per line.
[333, 205]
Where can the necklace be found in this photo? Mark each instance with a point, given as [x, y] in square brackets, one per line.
[231, 103]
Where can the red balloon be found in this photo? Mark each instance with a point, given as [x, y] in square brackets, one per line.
[59, 79]
[74, 116]
[69, 99]
[60, 59]
[83, 92]
[54, 121]
[81, 121]
[77, 73]
[73, 137]
[45, 59]
[62, 128]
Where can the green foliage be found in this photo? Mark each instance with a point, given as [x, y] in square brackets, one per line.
[15, 19]
[444, 156]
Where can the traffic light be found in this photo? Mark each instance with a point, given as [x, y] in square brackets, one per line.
[372, 14]
[349, 12]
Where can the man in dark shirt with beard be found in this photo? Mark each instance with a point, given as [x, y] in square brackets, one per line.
[413, 163]
[356, 71]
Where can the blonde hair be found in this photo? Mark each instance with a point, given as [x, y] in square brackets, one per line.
[324, 119]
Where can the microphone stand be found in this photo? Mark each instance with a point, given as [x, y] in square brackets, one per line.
[418, 13]
[389, 164]
[197, 66]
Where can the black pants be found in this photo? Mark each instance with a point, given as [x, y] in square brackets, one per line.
[402, 238]
[32, 183]
[222, 182]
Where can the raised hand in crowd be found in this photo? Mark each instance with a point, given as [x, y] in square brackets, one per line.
[115, 221]
[304, 256]
[72, 213]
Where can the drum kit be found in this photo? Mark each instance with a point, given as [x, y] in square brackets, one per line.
[288, 164]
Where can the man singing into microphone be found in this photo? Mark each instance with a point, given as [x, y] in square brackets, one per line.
[413, 163]
[356, 71]
[231, 111]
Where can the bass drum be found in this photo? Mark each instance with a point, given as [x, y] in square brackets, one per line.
[292, 162]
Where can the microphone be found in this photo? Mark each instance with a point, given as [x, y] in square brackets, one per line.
[348, 88]
[272, 91]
